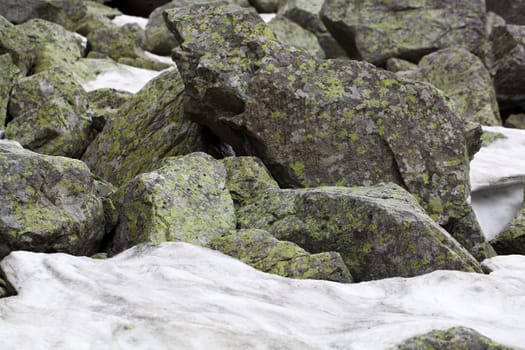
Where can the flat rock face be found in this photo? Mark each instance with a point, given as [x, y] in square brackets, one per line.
[312, 123]
[49, 204]
[375, 30]
[138, 298]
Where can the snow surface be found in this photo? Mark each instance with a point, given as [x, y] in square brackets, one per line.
[121, 77]
[267, 17]
[125, 19]
[180, 296]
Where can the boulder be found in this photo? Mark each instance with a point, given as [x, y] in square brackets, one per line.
[63, 12]
[335, 122]
[98, 16]
[513, 11]
[185, 200]
[49, 114]
[465, 80]
[151, 125]
[266, 6]
[379, 231]
[264, 252]
[451, 339]
[512, 239]
[291, 34]
[516, 121]
[104, 104]
[49, 204]
[7, 80]
[395, 65]
[375, 30]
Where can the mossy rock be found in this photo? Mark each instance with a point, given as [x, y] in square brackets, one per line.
[49, 204]
[185, 200]
[379, 231]
[264, 252]
[312, 123]
[395, 65]
[49, 111]
[98, 16]
[456, 338]
[115, 42]
[104, 104]
[151, 125]
[10, 73]
[375, 30]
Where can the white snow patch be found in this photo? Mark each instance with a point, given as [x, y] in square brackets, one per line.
[125, 19]
[180, 296]
[267, 17]
[121, 77]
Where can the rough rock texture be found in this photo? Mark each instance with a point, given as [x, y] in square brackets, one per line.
[465, 80]
[516, 121]
[306, 14]
[291, 34]
[375, 30]
[508, 44]
[185, 200]
[513, 11]
[63, 12]
[451, 339]
[264, 252]
[148, 127]
[98, 16]
[379, 231]
[399, 65]
[104, 104]
[9, 75]
[266, 6]
[48, 204]
[38, 45]
[512, 239]
[115, 42]
[49, 111]
[318, 123]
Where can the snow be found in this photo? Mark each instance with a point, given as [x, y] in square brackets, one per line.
[125, 19]
[163, 59]
[121, 77]
[267, 17]
[180, 296]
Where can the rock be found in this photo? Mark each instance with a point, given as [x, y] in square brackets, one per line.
[3, 288]
[266, 6]
[516, 121]
[38, 45]
[473, 135]
[63, 12]
[262, 251]
[291, 34]
[375, 30]
[306, 14]
[513, 11]
[104, 104]
[313, 123]
[49, 204]
[451, 339]
[7, 80]
[151, 125]
[185, 200]
[49, 114]
[379, 231]
[398, 65]
[98, 16]
[465, 80]
[512, 239]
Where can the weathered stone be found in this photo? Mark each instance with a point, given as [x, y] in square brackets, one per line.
[512, 239]
[49, 111]
[39, 45]
[185, 200]
[375, 30]
[48, 204]
[306, 14]
[451, 339]
[395, 65]
[264, 252]
[379, 231]
[473, 134]
[63, 12]
[291, 34]
[516, 121]
[115, 42]
[513, 11]
[104, 104]
[98, 16]
[266, 6]
[7, 80]
[149, 126]
[465, 80]
[314, 123]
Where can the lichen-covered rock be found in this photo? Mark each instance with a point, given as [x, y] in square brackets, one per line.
[185, 200]
[98, 16]
[63, 12]
[508, 45]
[49, 111]
[38, 45]
[473, 135]
[7, 80]
[104, 104]
[264, 252]
[512, 239]
[513, 11]
[375, 30]
[151, 125]
[465, 80]
[291, 34]
[306, 14]
[379, 231]
[313, 123]
[395, 65]
[516, 121]
[48, 204]
[455, 338]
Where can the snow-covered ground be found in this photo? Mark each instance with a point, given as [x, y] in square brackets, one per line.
[179, 296]
[126, 19]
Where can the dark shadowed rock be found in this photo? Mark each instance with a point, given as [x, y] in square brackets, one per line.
[512, 239]
[375, 30]
[48, 204]
[7, 80]
[395, 65]
[513, 11]
[266, 6]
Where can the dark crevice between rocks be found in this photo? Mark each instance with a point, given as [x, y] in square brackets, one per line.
[345, 38]
[141, 8]
[6, 288]
[214, 146]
